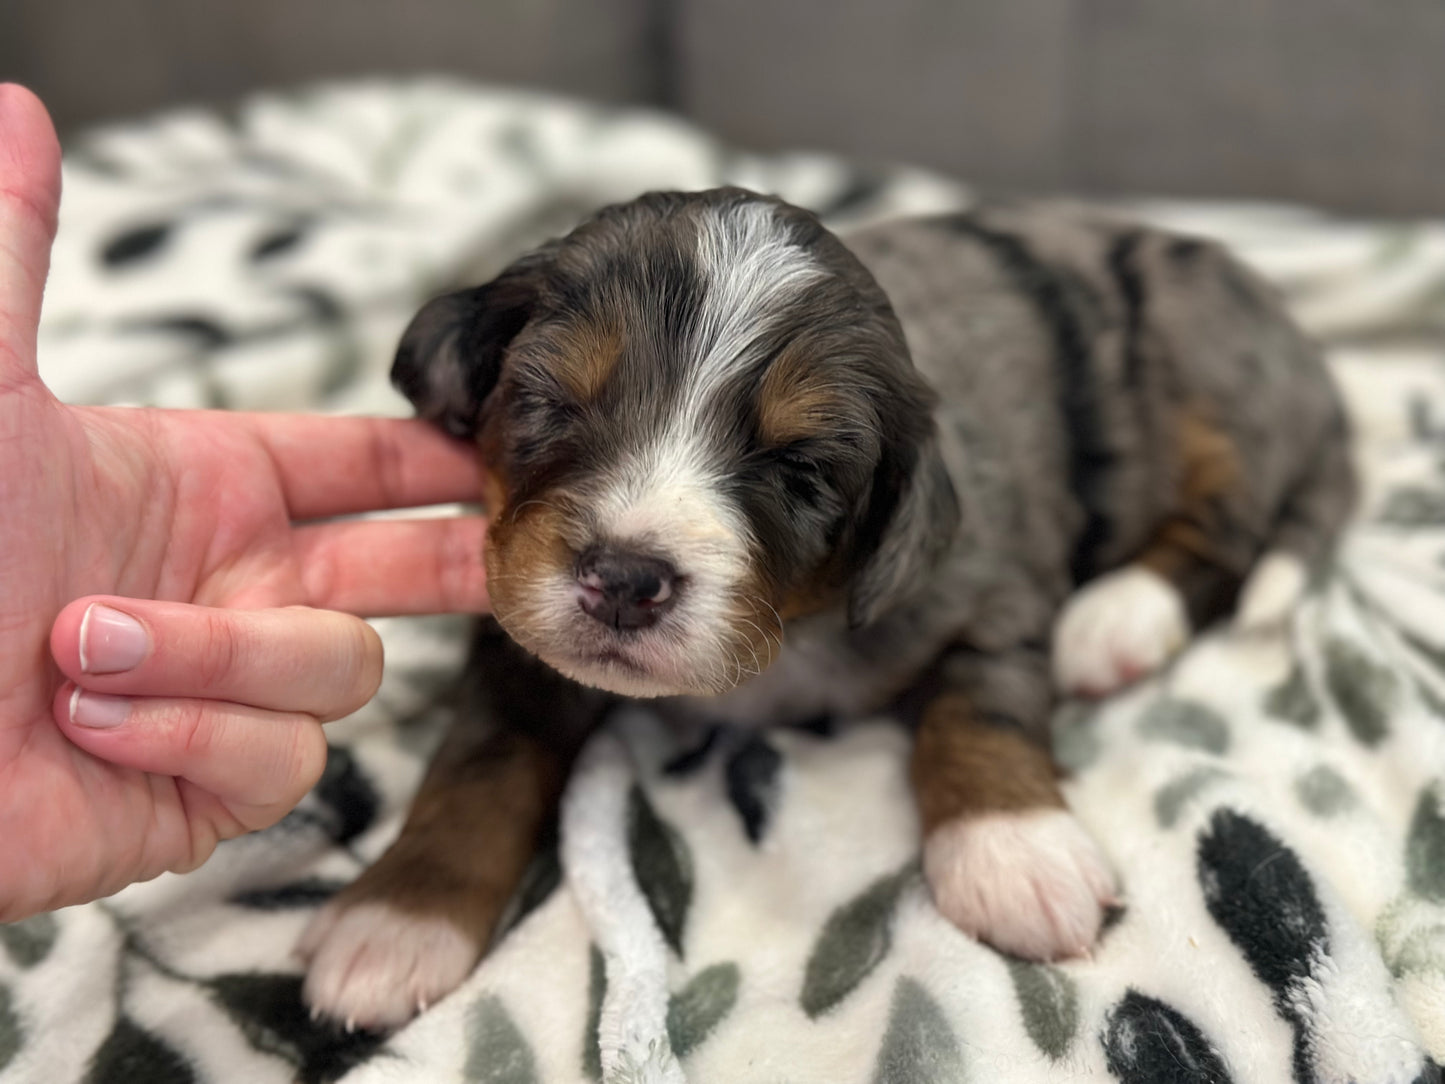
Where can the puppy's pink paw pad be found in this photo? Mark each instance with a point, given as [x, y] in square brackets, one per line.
[1034, 885]
[1117, 629]
[373, 966]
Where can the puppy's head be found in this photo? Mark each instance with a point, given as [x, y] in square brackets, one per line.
[700, 419]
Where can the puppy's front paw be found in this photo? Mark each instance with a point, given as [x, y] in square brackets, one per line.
[373, 966]
[1031, 884]
[1117, 629]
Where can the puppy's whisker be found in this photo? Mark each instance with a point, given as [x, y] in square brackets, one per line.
[757, 663]
[782, 629]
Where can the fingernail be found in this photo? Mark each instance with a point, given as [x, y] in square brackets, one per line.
[98, 710]
[110, 641]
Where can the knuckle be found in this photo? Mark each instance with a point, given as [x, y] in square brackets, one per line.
[461, 573]
[387, 463]
[296, 764]
[192, 730]
[218, 651]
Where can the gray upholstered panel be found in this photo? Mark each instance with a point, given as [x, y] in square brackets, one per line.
[94, 59]
[978, 88]
[1338, 102]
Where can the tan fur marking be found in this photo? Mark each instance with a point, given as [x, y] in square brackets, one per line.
[591, 355]
[793, 403]
[469, 836]
[494, 492]
[1209, 469]
[965, 767]
[525, 548]
[809, 599]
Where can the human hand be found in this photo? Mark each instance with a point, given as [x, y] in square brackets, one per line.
[168, 646]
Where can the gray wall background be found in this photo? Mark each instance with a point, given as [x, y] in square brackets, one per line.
[1340, 103]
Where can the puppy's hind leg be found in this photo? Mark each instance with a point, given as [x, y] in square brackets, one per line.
[1005, 859]
[1308, 528]
[410, 928]
[1129, 622]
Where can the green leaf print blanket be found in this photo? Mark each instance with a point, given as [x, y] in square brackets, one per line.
[745, 908]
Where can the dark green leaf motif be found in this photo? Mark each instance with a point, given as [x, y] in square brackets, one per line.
[700, 1006]
[919, 1046]
[1149, 1042]
[854, 941]
[1187, 723]
[1174, 796]
[1293, 702]
[1364, 690]
[1325, 792]
[1049, 1001]
[1414, 506]
[596, 991]
[11, 1034]
[310, 892]
[662, 864]
[136, 243]
[1075, 736]
[351, 798]
[1425, 845]
[499, 1054]
[268, 1009]
[540, 879]
[1417, 951]
[752, 781]
[30, 940]
[130, 1054]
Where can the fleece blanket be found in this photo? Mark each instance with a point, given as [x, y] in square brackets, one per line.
[745, 908]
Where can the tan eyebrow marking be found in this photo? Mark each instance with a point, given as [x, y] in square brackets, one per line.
[794, 400]
[588, 357]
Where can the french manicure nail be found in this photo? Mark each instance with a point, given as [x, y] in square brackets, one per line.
[97, 710]
[110, 641]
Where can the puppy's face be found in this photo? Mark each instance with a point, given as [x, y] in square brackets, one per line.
[699, 419]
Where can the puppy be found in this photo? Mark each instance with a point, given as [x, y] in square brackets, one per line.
[764, 474]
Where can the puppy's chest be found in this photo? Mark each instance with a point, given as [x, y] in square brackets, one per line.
[821, 670]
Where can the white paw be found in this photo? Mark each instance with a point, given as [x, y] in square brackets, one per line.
[1033, 884]
[1117, 629]
[373, 966]
[1271, 592]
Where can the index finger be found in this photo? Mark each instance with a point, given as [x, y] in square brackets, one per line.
[336, 465]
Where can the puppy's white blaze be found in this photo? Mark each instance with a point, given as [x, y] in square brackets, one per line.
[375, 966]
[1032, 884]
[752, 270]
[667, 498]
[662, 500]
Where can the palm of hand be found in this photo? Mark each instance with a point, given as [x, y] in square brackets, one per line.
[220, 729]
[120, 502]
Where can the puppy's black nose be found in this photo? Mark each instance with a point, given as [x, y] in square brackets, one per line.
[624, 590]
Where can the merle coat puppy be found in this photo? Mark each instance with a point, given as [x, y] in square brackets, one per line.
[954, 466]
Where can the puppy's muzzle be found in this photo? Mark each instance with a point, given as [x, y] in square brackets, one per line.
[622, 589]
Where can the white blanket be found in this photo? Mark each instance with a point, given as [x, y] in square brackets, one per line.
[732, 908]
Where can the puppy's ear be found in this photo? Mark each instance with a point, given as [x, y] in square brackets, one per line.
[450, 355]
[909, 521]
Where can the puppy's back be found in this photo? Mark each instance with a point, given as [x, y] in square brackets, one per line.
[1082, 360]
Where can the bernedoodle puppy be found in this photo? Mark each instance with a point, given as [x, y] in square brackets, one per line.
[950, 466]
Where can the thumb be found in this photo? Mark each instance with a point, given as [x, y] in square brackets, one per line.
[29, 201]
